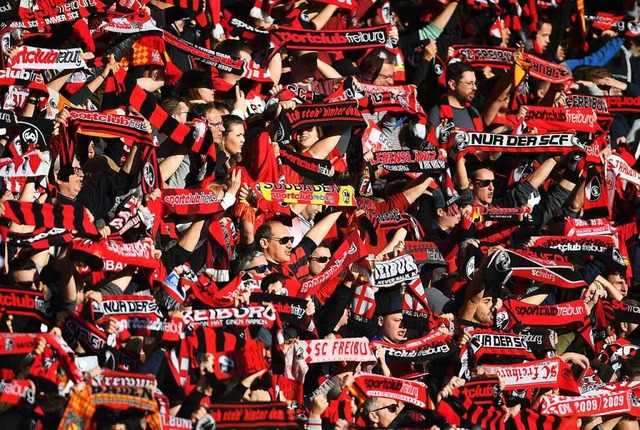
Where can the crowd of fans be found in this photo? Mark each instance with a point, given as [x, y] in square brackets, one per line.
[319, 214]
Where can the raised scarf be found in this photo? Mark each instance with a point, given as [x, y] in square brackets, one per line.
[623, 104]
[336, 350]
[28, 165]
[394, 271]
[328, 40]
[434, 345]
[424, 252]
[222, 62]
[318, 171]
[576, 227]
[573, 246]
[550, 373]
[32, 58]
[409, 160]
[327, 195]
[603, 404]
[484, 343]
[481, 56]
[112, 256]
[559, 119]
[491, 142]
[26, 303]
[291, 310]
[363, 303]
[107, 125]
[72, 218]
[598, 104]
[24, 78]
[260, 316]
[190, 202]
[46, 17]
[402, 390]
[339, 113]
[269, 416]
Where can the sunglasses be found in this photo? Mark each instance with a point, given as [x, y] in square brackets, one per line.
[25, 284]
[283, 240]
[393, 408]
[484, 183]
[261, 268]
[322, 259]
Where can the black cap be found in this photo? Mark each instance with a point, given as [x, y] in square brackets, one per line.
[388, 303]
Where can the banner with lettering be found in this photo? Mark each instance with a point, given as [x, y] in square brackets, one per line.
[558, 119]
[326, 195]
[573, 246]
[402, 390]
[491, 142]
[603, 404]
[395, 271]
[410, 160]
[433, 345]
[335, 350]
[549, 373]
[31, 58]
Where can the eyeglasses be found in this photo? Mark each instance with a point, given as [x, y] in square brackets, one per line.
[393, 408]
[484, 183]
[473, 84]
[77, 170]
[27, 284]
[386, 77]
[323, 259]
[260, 268]
[283, 240]
[215, 124]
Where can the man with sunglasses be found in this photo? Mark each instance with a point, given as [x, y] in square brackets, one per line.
[275, 241]
[380, 412]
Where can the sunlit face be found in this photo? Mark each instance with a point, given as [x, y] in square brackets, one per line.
[73, 186]
[276, 251]
[385, 77]
[385, 415]
[257, 267]
[234, 139]
[619, 283]
[465, 88]
[307, 137]
[181, 113]
[544, 35]
[391, 327]
[484, 311]
[483, 187]
[214, 119]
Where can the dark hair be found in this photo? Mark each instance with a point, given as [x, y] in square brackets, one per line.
[199, 110]
[455, 70]
[263, 232]
[22, 264]
[473, 173]
[630, 368]
[170, 105]
[228, 121]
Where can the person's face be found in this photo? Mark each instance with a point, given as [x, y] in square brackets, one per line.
[385, 414]
[465, 87]
[206, 94]
[307, 137]
[619, 283]
[73, 186]
[276, 251]
[543, 35]
[214, 119]
[484, 311]
[26, 279]
[181, 113]
[257, 267]
[310, 211]
[234, 139]
[385, 77]
[483, 187]
[391, 328]
[318, 260]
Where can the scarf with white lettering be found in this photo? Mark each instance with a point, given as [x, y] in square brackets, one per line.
[623, 104]
[402, 390]
[598, 104]
[562, 316]
[573, 246]
[410, 161]
[432, 346]
[29, 165]
[258, 316]
[112, 256]
[490, 142]
[601, 404]
[222, 62]
[32, 58]
[307, 115]
[189, 202]
[291, 310]
[107, 125]
[318, 171]
[486, 343]
[617, 23]
[424, 252]
[481, 56]
[24, 78]
[47, 16]
[394, 271]
[495, 213]
[558, 119]
[26, 303]
[577, 227]
[17, 343]
[328, 40]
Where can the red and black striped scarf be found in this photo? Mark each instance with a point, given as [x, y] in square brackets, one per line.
[73, 218]
[198, 137]
[105, 124]
[319, 171]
